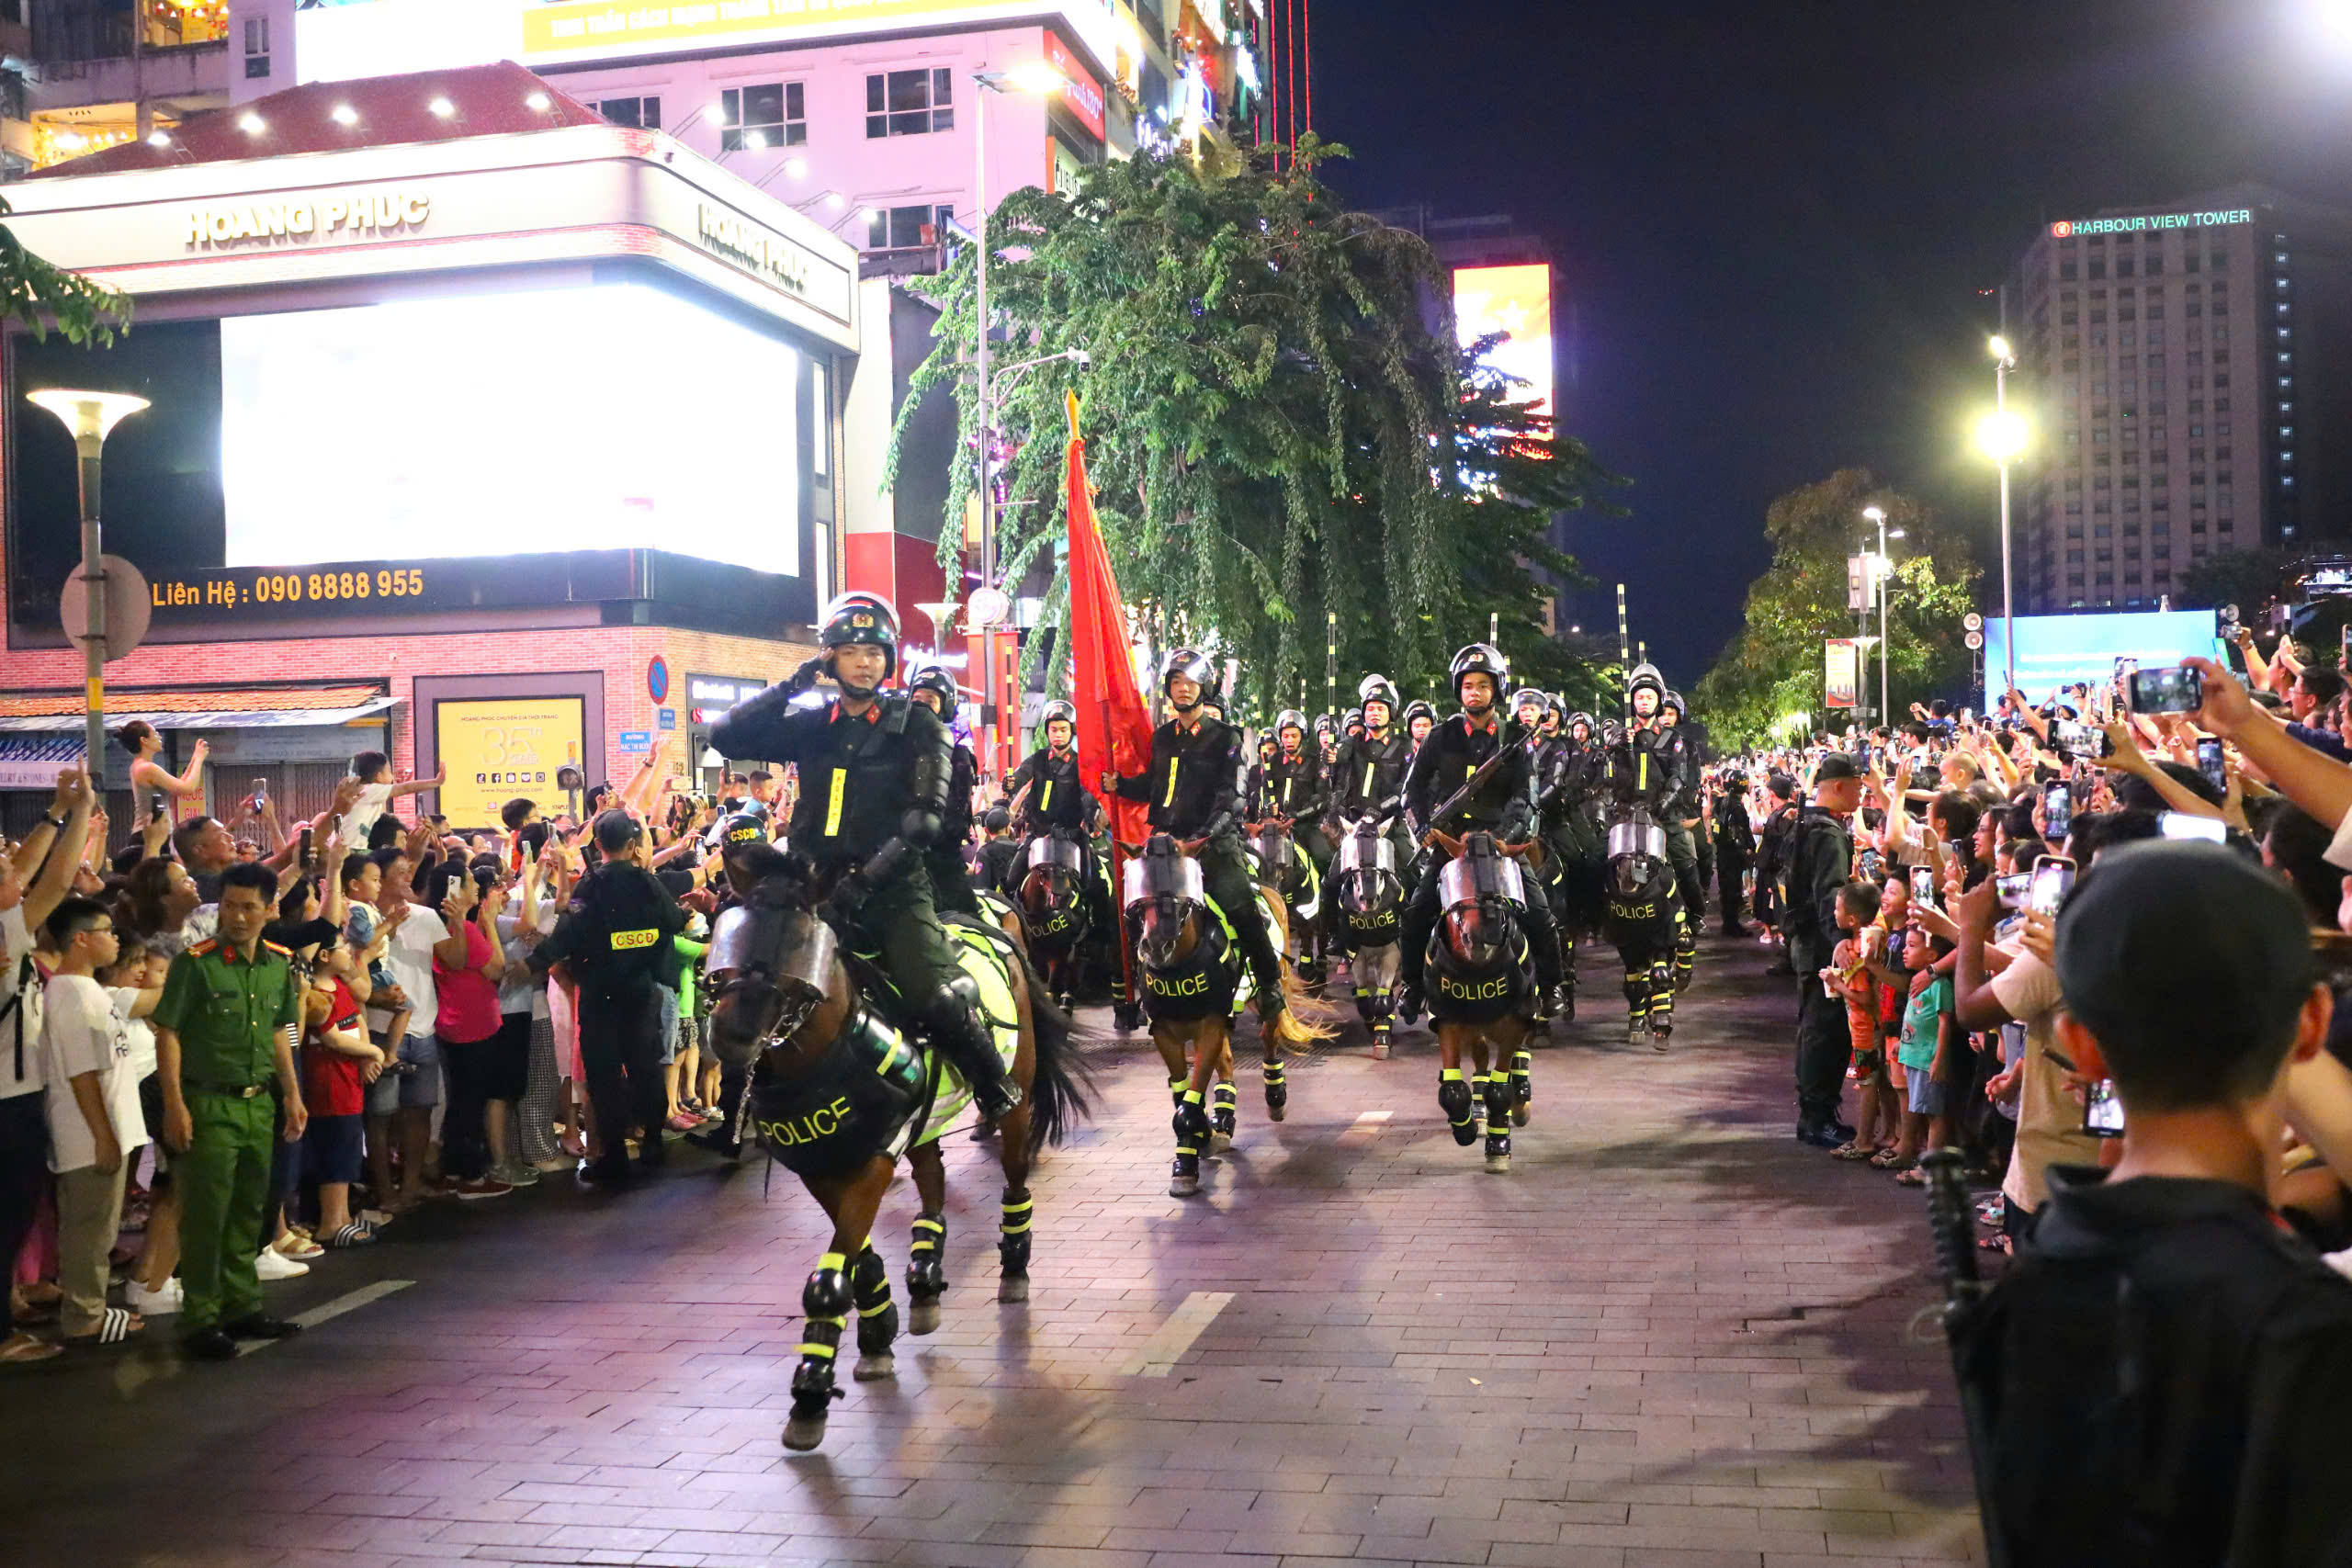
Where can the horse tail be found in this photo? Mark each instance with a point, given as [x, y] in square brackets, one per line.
[1306, 1018]
[1058, 1087]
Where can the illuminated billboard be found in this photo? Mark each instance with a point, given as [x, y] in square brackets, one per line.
[497, 748]
[2065, 651]
[1516, 301]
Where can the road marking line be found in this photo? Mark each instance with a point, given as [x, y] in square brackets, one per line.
[1363, 1130]
[1159, 1353]
[332, 1309]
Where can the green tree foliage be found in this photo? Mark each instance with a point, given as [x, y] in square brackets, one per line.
[1773, 667]
[1274, 433]
[42, 294]
[2251, 580]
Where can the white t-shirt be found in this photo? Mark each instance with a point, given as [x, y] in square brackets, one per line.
[521, 992]
[19, 986]
[82, 1033]
[358, 822]
[138, 1031]
[409, 958]
[2050, 1120]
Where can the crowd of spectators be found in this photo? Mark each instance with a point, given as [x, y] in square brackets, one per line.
[2095, 944]
[413, 1053]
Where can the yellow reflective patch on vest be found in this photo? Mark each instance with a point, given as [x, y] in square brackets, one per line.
[624, 941]
[1368, 768]
[834, 803]
[1171, 782]
[1046, 798]
[1642, 769]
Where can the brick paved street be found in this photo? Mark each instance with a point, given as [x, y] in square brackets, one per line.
[1670, 1335]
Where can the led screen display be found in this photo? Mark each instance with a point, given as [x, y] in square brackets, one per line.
[447, 428]
[2065, 651]
[1517, 300]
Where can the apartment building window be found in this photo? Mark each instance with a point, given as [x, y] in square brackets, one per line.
[774, 115]
[256, 47]
[903, 227]
[638, 114]
[909, 103]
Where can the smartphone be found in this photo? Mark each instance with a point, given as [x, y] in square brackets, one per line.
[2168, 691]
[305, 861]
[2058, 810]
[2208, 762]
[162, 807]
[2053, 878]
[261, 790]
[2011, 889]
[2102, 1112]
[2181, 824]
[1870, 865]
[1923, 886]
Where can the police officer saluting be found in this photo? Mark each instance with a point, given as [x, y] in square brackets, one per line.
[1193, 789]
[614, 942]
[875, 777]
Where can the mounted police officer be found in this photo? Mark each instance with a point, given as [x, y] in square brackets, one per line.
[876, 771]
[614, 942]
[1658, 760]
[1292, 788]
[1503, 804]
[951, 882]
[1368, 780]
[1054, 799]
[1694, 850]
[1420, 719]
[1193, 790]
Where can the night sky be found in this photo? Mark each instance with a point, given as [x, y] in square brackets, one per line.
[1773, 222]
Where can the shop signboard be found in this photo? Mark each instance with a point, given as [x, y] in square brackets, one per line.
[1842, 672]
[497, 748]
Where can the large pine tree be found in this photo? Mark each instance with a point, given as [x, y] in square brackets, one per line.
[1277, 432]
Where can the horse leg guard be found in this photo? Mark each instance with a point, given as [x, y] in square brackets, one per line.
[826, 1301]
[1662, 990]
[926, 1272]
[1192, 1127]
[1454, 1099]
[1686, 955]
[1522, 1085]
[1567, 998]
[1277, 1087]
[1176, 1088]
[1498, 1108]
[1012, 1248]
[878, 1317]
[1225, 1104]
[1637, 1006]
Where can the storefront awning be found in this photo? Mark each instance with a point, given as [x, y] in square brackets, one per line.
[44, 713]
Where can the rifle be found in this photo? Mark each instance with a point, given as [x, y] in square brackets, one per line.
[1469, 785]
[1954, 1233]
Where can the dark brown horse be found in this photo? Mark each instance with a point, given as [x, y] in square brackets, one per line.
[839, 1092]
[1482, 993]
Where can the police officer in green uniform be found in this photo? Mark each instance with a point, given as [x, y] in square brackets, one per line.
[951, 883]
[1193, 790]
[224, 1042]
[875, 772]
[614, 940]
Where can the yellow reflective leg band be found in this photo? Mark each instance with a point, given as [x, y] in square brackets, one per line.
[1445, 1072]
[1016, 1217]
[1171, 782]
[832, 1260]
[834, 803]
[810, 1348]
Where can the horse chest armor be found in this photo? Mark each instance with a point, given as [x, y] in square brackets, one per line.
[1457, 994]
[852, 1105]
[1202, 984]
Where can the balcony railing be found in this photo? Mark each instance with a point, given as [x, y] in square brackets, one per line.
[68, 38]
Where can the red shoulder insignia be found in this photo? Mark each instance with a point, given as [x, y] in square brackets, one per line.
[281, 952]
[201, 948]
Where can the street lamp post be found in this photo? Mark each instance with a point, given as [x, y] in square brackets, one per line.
[1035, 77]
[1879, 565]
[89, 416]
[2002, 435]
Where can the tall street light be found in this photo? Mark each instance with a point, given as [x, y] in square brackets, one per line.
[89, 416]
[1879, 565]
[1036, 78]
[2002, 436]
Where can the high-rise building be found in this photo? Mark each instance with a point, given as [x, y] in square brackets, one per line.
[2187, 371]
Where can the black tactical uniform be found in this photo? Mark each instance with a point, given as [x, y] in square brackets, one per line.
[1504, 805]
[951, 880]
[1368, 780]
[1292, 788]
[1193, 791]
[1059, 803]
[874, 798]
[614, 939]
[1821, 859]
[1735, 848]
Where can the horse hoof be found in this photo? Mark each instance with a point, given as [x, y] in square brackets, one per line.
[1220, 1140]
[1499, 1162]
[1658, 1040]
[923, 1315]
[802, 1433]
[1013, 1288]
[1185, 1178]
[1520, 1115]
[1274, 1109]
[1380, 1046]
[881, 1367]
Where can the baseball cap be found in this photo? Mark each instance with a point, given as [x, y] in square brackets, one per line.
[2166, 941]
[1836, 766]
